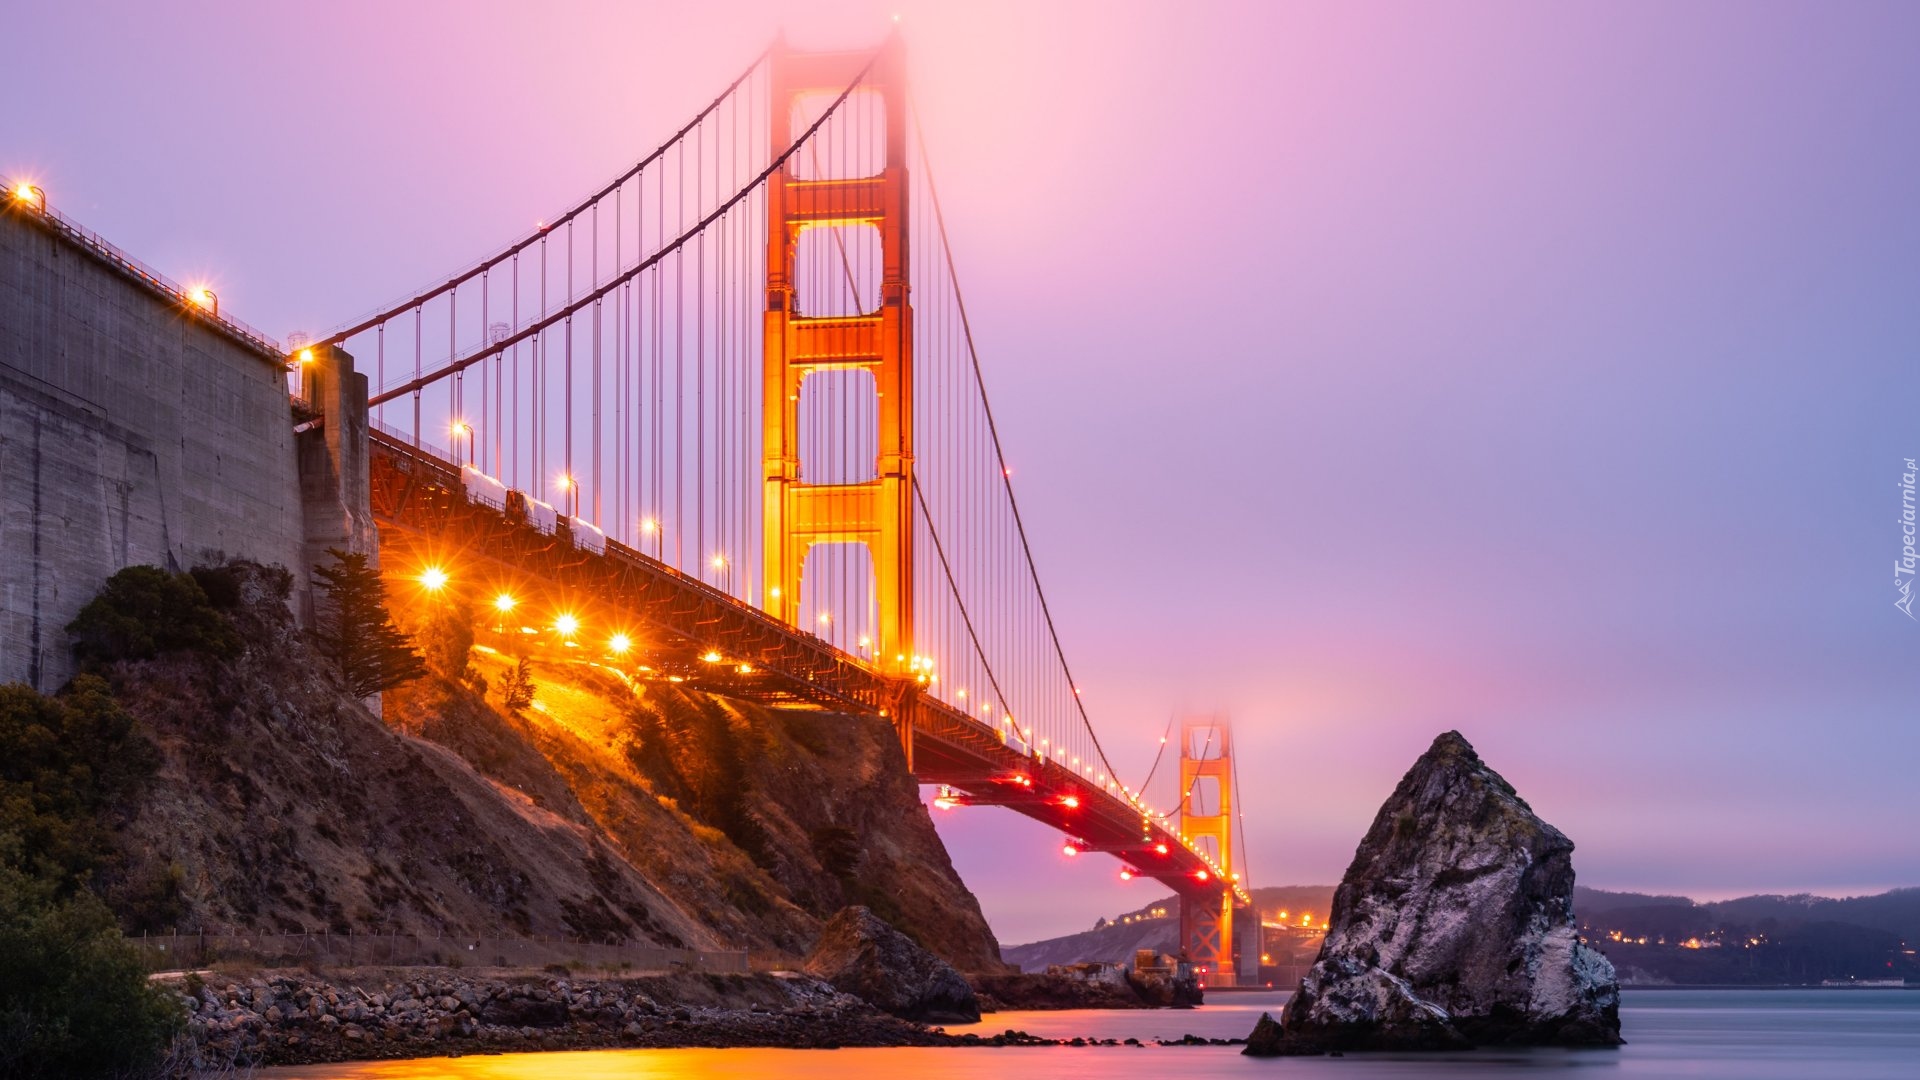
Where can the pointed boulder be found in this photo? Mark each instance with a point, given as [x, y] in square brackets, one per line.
[860, 954]
[1454, 926]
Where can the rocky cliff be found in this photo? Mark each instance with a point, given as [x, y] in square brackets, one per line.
[613, 809]
[1454, 926]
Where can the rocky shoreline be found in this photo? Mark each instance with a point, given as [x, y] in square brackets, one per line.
[304, 1018]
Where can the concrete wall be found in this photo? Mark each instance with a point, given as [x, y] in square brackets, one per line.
[130, 432]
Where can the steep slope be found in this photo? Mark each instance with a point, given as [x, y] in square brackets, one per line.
[611, 809]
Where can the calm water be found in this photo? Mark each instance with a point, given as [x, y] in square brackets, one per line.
[1696, 1034]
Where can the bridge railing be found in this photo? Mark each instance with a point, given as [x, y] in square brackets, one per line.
[101, 248]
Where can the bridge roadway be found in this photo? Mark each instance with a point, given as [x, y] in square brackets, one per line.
[715, 642]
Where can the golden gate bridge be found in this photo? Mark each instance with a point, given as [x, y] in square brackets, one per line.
[725, 419]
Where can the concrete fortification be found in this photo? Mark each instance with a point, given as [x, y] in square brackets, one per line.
[137, 430]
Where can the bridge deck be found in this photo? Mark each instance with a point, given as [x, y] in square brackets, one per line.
[425, 514]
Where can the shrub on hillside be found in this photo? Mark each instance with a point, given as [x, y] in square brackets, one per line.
[74, 995]
[74, 998]
[63, 761]
[144, 611]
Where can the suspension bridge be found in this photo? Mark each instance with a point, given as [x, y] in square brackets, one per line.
[724, 421]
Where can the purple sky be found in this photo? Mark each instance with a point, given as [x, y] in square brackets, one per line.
[1540, 371]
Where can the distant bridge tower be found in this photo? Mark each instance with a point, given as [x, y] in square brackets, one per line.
[1206, 819]
[876, 513]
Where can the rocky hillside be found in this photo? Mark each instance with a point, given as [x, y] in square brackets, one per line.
[611, 808]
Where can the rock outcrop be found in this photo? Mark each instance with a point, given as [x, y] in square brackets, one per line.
[1454, 927]
[861, 955]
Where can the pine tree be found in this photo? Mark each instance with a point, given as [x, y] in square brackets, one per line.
[518, 690]
[355, 631]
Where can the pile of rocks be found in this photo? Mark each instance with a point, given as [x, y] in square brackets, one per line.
[287, 1018]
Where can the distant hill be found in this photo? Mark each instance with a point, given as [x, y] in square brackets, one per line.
[1652, 939]
[1115, 940]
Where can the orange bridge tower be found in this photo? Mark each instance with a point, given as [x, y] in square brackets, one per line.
[878, 512]
[1206, 821]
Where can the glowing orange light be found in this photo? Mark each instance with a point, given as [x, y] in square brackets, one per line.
[1201, 874]
[306, 356]
[825, 618]
[649, 526]
[204, 297]
[567, 625]
[1069, 850]
[619, 644]
[504, 602]
[711, 657]
[1071, 802]
[564, 481]
[1161, 848]
[943, 803]
[433, 579]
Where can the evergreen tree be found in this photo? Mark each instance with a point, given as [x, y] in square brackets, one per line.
[518, 689]
[355, 631]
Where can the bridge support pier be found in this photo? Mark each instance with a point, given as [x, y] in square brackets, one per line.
[335, 493]
[1206, 930]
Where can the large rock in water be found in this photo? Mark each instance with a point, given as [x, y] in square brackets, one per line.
[861, 955]
[1454, 926]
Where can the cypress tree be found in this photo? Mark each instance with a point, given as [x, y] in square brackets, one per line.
[355, 631]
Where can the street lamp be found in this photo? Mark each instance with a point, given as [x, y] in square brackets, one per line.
[461, 427]
[572, 487]
[651, 527]
[721, 564]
